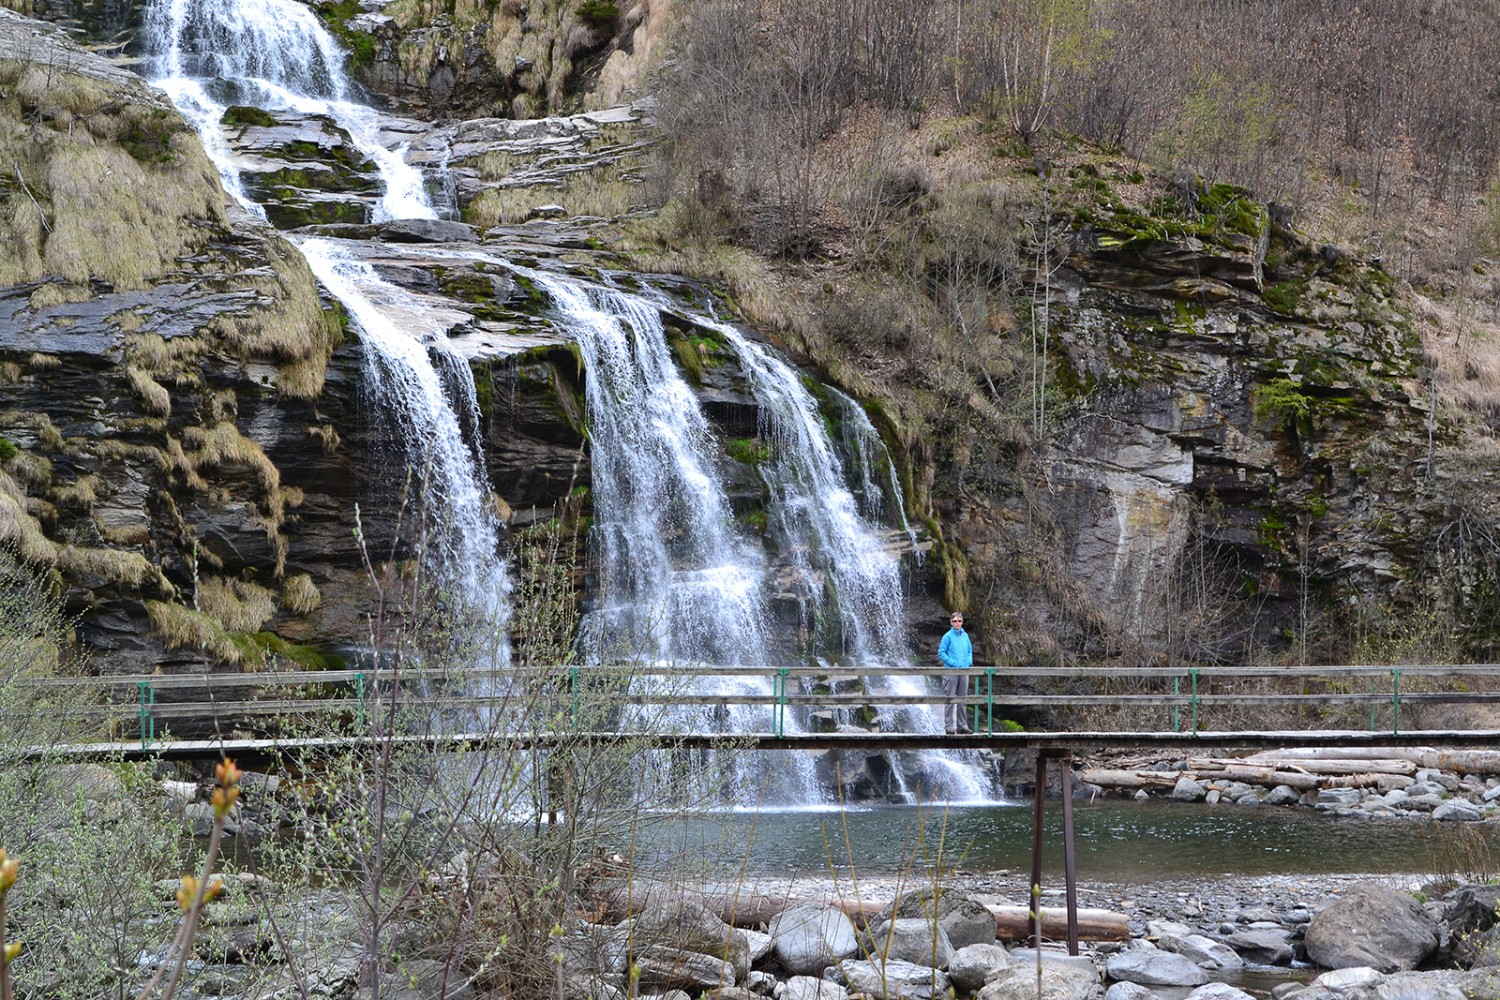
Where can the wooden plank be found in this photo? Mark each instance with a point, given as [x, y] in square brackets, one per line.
[1013, 923]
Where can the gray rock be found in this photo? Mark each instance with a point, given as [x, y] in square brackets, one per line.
[1355, 977]
[1421, 787]
[1025, 958]
[1167, 933]
[1388, 783]
[1263, 947]
[1130, 991]
[1374, 925]
[1218, 991]
[808, 988]
[1338, 798]
[1058, 982]
[1150, 966]
[426, 231]
[670, 968]
[1282, 795]
[893, 980]
[974, 965]
[914, 940]
[763, 983]
[759, 944]
[1188, 790]
[1492, 793]
[1422, 802]
[1458, 810]
[968, 922]
[811, 938]
[1208, 953]
[690, 926]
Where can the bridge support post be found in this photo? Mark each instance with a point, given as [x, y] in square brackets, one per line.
[1070, 867]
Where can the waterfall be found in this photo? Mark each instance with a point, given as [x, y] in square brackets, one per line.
[409, 368]
[273, 54]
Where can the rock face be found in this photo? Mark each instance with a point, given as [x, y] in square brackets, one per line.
[1371, 925]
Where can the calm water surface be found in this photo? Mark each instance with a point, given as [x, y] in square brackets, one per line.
[1117, 841]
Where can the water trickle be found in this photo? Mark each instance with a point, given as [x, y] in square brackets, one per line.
[410, 369]
[272, 54]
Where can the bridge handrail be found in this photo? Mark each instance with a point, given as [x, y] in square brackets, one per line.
[292, 678]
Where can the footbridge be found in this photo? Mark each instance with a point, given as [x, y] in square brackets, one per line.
[260, 717]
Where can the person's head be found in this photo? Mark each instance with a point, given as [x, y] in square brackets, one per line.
[956, 619]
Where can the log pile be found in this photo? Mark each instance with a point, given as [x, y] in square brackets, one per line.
[1304, 769]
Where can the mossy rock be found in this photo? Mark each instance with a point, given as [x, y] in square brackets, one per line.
[241, 114]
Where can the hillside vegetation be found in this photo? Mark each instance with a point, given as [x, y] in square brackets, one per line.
[901, 191]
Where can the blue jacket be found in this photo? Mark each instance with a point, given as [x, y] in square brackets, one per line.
[956, 650]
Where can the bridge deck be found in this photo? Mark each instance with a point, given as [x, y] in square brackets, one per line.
[252, 752]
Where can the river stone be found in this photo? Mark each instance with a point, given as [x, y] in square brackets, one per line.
[760, 945]
[585, 988]
[1470, 919]
[1338, 798]
[1393, 782]
[1374, 925]
[1167, 934]
[1263, 947]
[973, 965]
[1460, 810]
[1282, 795]
[1208, 953]
[1424, 787]
[1218, 991]
[689, 925]
[808, 988]
[1129, 991]
[1148, 965]
[1340, 980]
[1058, 982]
[670, 968]
[893, 980]
[1439, 985]
[1187, 790]
[911, 939]
[1422, 801]
[811, 938]
[968, 922]
[1025, 958]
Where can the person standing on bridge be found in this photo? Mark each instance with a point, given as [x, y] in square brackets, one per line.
[956, 653]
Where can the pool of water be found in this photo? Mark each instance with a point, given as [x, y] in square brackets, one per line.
[1117, 841]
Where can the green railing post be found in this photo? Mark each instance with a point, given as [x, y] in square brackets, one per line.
[778, 718]
[1372, 704]
[1176, 704]
[989, 702]
[148, 721]
[359, 698]
[1396, 702]
[1194, 673]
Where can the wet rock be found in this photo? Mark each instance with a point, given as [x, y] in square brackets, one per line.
[1188, 790]
[1208, 953]
[1262, 947]
[1374, 925]
[1218, 991]
[973, 965]
[1130, 991]
[1458, 810]
[811, 938]
[1148, 965]
[426, 231]
[1338, 798]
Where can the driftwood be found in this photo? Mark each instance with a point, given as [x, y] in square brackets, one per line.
[1013, 923]
[1463, 761]
[740, 908]
[1310, 766]
[1354, 781]
[1414, 754]
[1129, 779]
[1262, 776]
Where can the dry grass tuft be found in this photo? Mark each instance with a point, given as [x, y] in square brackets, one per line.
[148, 352]
[154, 397]
[43, 362]
[300, 595]
[80, 495]
[224, 446]
[327, 435]
[181, 627]
[238, 605]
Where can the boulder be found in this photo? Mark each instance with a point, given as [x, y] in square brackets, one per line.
[1058, 982]
[1374, 925]
[1129, 991]
[1343, 980]
[1460, 810]
[893, 980]
[976, 964]
[811, 938]
[914, 940]
[967, 922]
[1470, 919]
[1263, 947]
[1208, 953]
[1150, 966]
[1218, 991]
[808, 988]
[669, 968]
[689, 925]
[1188, 790]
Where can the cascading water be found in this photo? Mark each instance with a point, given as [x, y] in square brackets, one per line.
[462, 535]
[273, 54]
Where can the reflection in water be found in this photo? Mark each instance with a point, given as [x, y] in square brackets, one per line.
[1116, 841]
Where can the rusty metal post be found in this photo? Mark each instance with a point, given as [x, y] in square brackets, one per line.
[1033, 891]
[1070, 865]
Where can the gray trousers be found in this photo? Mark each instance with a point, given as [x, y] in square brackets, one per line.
[955, 685]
